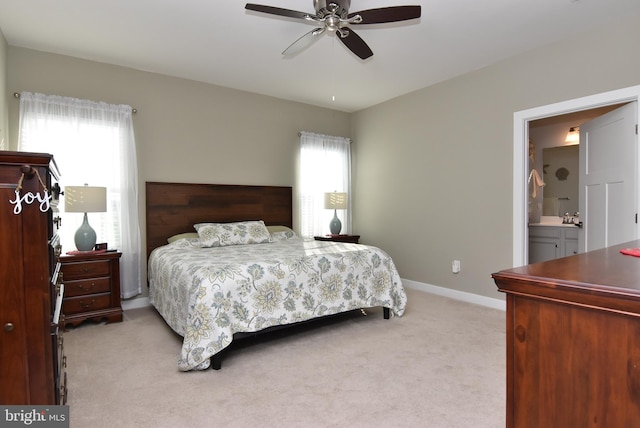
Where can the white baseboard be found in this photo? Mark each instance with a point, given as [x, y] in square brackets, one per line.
[142, 302]
[138, 302]
[457, 295]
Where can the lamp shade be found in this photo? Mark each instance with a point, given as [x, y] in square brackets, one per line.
[573, 136]
[85, 199]
[335, 200]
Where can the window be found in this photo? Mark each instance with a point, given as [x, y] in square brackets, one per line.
[92, 143]
[325, 166]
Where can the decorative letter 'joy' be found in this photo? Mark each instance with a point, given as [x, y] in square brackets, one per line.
[29, 198]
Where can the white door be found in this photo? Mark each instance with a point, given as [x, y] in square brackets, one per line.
[608, 153]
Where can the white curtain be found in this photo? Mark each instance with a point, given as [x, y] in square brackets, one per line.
[325, 166]
[92, 143]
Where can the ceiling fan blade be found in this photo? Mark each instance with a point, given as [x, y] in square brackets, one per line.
[278, 11]
[356, 44]
[387, 14]
[304, 41]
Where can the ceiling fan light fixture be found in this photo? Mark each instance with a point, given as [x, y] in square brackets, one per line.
[333, 15]
[332, 23]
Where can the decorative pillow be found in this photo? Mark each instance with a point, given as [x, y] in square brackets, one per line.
[181, 236]
[239, 233]
[281, 233]
[283, 236]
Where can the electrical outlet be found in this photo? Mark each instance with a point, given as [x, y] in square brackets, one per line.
[455, 266]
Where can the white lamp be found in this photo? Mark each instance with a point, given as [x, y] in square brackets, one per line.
[335, 201]
[85, 199]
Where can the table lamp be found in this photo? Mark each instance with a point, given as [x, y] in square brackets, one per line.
[85, 199]
[335, 201]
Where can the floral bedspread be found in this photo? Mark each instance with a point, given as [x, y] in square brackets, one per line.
[208, 294]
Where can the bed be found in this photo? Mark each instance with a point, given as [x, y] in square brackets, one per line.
[244, 270]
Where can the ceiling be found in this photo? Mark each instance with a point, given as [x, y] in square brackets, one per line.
[218, 42]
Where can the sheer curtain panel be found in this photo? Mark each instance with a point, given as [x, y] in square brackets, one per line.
[93, 143]
[325, 166]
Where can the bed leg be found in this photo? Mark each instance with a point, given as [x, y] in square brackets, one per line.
[386, 313]
[216, 361]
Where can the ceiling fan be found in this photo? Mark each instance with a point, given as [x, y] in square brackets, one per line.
[334, 16]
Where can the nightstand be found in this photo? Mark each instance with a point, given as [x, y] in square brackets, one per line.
[339, 238]
[91, 287]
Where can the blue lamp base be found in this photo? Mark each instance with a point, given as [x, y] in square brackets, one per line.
[335, 226]
[85, 237]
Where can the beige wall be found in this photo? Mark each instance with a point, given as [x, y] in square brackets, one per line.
[185, 131]
[4, 96]
[434, 168]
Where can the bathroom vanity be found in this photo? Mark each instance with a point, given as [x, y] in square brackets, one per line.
[548, 242]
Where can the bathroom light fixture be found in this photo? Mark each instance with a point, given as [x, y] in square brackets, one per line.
[335, 201]
[85, 199]
[573, 136]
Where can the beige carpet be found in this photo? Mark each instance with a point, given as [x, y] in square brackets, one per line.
[440, 365]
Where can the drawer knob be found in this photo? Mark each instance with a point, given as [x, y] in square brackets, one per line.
[88, 287]
[8, 327]
[87, 305]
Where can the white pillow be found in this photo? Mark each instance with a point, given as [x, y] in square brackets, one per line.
[238, 233]
[281, 233]
[181, 236]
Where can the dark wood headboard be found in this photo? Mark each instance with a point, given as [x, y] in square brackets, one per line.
[174, 208]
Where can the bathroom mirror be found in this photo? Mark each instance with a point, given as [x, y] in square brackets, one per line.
[560, 174]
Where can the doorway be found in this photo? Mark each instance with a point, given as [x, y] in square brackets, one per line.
[521, 151]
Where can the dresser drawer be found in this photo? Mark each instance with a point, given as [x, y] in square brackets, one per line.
[75, 305]
[61, 370]
[61, 358]
[63, 392]
[87, 286]
[85, 270]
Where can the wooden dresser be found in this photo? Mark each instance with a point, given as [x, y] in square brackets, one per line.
[573, 341]
[92, 287]
[32, 364]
